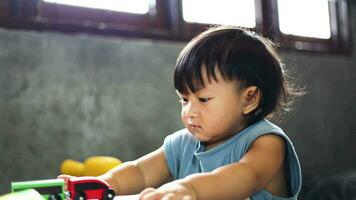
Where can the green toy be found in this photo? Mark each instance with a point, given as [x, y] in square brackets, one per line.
[50, 189]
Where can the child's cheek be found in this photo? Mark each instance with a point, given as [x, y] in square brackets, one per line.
[183, 116]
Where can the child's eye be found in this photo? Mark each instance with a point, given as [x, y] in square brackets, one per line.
[183, 100]
[204, 100]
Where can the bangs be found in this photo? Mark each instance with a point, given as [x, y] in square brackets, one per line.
[188, 75]
[199, 54]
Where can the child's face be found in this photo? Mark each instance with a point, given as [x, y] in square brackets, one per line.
[213, 113]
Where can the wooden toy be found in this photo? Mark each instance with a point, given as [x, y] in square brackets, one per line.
[82, 188]
[51, 189]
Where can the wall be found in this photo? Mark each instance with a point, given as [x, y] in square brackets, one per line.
[74, 96]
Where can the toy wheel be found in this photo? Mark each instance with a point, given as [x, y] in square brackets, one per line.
[80, 196]
[54, 197]
[108, 194]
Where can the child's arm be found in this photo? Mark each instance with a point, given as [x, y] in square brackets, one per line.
[252, 173]
[132, 177]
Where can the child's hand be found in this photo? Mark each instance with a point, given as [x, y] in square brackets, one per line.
[170, 191]
[65, 178]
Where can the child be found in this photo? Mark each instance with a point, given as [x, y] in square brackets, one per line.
[228, 80]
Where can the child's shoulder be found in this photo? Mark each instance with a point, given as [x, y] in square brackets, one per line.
[265, 126]
[258, 129]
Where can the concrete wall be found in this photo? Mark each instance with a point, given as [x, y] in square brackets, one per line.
[77, 96]
[74, 96]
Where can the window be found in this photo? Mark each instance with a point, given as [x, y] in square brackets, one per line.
[317, 25]
[304, 18]
[146, 19]
[104, 15]
[228, 12]
[133, 6]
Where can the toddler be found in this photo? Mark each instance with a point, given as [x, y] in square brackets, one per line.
[228, 81]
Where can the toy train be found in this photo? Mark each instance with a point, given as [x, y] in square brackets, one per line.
[79, 188]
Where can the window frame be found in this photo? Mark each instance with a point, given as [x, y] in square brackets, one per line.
[340, 30]
[166, 22]
[40, 15]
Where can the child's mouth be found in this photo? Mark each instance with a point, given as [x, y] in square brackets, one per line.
[194, 126]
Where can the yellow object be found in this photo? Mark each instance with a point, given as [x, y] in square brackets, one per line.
[92, 166]
[72, 167]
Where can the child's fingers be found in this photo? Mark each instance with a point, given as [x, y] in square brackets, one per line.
[65, 177]
[169, 196]
[187, 197]
[146, 191]
[150, 194]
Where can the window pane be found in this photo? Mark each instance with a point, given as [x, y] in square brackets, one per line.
[228, 12]
[131, 6]
[309, 18]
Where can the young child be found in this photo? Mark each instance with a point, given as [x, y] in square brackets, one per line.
[228, 81]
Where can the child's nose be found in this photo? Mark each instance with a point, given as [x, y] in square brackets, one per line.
[192, 110]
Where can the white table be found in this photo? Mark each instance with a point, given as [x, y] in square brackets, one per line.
[127, 197]
[135, 197]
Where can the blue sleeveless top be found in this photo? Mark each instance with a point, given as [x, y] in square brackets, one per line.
[186, 155]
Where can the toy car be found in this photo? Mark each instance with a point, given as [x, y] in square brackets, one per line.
[51, 189]
[82, 188]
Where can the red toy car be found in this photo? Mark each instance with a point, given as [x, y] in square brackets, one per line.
[83, 188]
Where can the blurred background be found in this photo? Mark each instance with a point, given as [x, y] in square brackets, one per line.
[86, 78]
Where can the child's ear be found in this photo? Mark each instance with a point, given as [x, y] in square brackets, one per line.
[252, 98]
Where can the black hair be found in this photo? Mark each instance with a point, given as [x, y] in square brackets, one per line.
[238, 54]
